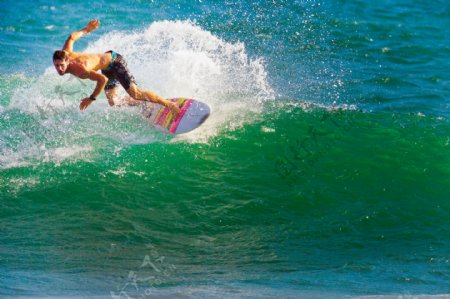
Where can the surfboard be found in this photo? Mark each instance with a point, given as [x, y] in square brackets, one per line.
[193, 114]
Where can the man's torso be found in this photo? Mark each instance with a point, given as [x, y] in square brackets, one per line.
[82, 62]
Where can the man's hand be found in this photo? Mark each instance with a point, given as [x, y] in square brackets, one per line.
[85, 103]
[92, 25]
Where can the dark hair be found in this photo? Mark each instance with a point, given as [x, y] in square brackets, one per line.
[60, 55]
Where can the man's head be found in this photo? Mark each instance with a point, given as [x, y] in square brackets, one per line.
[60, 61]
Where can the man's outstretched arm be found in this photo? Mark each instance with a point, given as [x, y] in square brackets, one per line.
[101, 82]
[91, 26]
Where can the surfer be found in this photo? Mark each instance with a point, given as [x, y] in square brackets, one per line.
[114, 71]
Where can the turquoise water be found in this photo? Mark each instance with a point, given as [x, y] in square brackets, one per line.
[323, 171]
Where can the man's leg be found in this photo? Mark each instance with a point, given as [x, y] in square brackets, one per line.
[111, 95]
[141, 95]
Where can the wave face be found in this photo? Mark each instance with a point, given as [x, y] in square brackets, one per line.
[321, 172]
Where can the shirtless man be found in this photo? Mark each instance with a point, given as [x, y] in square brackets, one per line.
[114, 71]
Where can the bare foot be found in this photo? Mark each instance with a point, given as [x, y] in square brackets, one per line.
[174, 108]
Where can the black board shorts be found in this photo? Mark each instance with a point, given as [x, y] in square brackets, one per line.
[118, 72]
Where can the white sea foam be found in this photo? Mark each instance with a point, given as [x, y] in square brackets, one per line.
[38, 154]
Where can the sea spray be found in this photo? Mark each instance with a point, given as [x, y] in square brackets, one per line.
[179, 58]
[172, 58]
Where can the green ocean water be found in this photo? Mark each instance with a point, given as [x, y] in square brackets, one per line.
[323, 171]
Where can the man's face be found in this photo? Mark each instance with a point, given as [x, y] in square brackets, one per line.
[61, 66]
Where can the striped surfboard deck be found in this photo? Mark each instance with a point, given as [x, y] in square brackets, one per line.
[193, 114]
